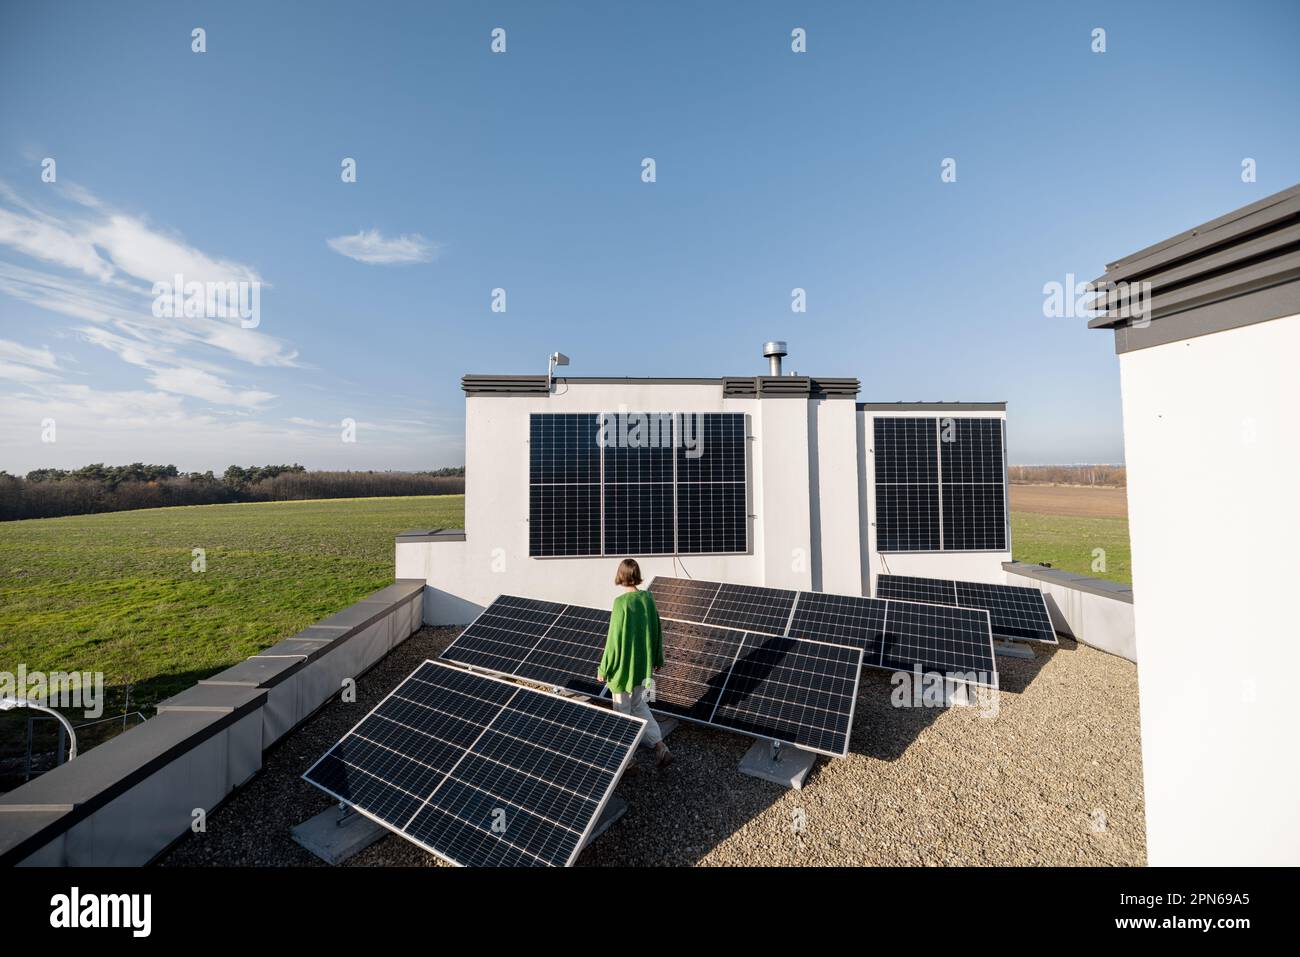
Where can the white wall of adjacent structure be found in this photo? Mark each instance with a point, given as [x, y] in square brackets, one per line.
[1212, 445]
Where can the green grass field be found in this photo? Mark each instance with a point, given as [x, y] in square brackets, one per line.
[115, 592]
[1067, 542]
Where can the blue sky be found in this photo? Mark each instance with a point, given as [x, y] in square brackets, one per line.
[522, 171]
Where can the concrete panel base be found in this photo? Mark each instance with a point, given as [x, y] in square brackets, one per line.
[334, 836]
[614, 810]
[786, 766]
[1013, 649]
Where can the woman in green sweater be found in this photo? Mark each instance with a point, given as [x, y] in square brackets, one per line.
[633, 650]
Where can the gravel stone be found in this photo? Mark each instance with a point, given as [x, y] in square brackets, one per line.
[1052, 777]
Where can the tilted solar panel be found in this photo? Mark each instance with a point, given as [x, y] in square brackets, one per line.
[941, 638]
[938, 635]
[685, 599]
[845, 619]
[786, 689]
[773, 676]
[479, 771]
[936, 591]
[493, 641]
[752, 607]
[1016, 613]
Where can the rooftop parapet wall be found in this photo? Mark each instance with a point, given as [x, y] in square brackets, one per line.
[1096, 612]
[125, 801]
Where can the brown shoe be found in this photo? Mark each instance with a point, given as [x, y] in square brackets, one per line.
[665, 757]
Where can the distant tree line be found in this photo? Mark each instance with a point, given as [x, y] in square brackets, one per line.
[45, 493]
[1110, 475]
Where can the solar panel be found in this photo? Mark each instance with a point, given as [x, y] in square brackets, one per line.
[906, 484]
[791, 690]
[752, 608]
[846, 619]
[938, 637]
[936, 591]
[493, 640]
[569, 654]
[771, 697]
[1016, 613]
[637, 484]
[685, 599]
[697, 659]
[940, 484]
[712, 512]
[942, 638]
[564, 516]
[479, 771]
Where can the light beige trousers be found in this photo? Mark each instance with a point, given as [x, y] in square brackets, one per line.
[635, 704]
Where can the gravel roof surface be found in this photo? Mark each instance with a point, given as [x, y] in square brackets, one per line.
[1053, 775]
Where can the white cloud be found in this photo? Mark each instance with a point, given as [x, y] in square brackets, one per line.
[20, 363]
[370, 246]
[205, 385]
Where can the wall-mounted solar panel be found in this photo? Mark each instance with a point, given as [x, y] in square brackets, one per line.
[940, 484]
[973, 473]
[479, 771]
[712, 510]
[637, 484]
[564, 485]
[906, 484]
[1016, 613]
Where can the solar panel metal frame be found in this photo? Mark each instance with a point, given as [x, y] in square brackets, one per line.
[958, 603]
[600, 808]
[605, 693]
[794, 612]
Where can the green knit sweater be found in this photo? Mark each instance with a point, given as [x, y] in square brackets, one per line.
[634, 647]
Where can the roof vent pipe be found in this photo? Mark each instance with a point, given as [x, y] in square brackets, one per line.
[774, 352]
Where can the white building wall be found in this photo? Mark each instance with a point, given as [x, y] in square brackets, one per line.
[836, 505]
[1212, 444]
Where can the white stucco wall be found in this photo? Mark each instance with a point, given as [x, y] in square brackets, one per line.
[1212, 444]
[967, 566]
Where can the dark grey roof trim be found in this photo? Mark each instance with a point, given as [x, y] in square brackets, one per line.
[432, 535]
[504, 384]
[1237, 270]
[932, 406]
[732, 386]
[1230, 227]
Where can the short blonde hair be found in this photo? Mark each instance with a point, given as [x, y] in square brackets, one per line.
[629, 573]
